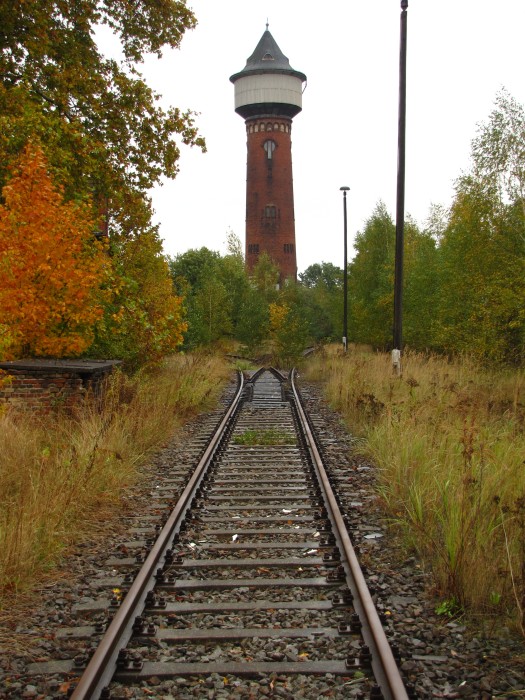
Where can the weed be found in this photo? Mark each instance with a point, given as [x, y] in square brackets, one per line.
[449, 444]
[449, 608]
[60, 473]
[264, 437]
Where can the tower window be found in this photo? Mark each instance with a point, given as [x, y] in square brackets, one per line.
[270, 211]
[253, 248]
[268, 57]
[269, 147]
[289, 247]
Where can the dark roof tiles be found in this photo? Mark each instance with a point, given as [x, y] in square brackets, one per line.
[267, 58]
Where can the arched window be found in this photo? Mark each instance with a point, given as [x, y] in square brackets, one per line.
[269, 147]
[270, 211]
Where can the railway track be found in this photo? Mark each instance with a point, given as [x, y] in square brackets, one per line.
[252, 572]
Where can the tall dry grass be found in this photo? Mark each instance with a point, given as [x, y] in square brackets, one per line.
[448, 439]
[58, 474]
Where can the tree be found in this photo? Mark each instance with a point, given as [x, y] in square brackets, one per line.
[481, 309]
[326, 274]
[288, 332]
[191, 267]
[231, 271]
[52, 268]
[214, 310]
[144, 320]
[498, 152]
[253, 320]
[421, 286]
[189, 272]
[482, 250]
[265, 277]
[321, 299]
[99, 123]
[371, 281]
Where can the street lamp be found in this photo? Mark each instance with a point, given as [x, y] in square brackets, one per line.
[400, 203]
[345, 275]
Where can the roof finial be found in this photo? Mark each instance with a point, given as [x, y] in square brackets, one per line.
[267, 25]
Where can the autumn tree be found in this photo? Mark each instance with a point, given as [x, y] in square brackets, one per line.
[481, 302]
[52, 268]
[288, 332]
[100, 124]
[144, 319]
[482, 250]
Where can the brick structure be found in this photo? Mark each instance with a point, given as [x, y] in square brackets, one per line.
[44, 386]
[268, 94]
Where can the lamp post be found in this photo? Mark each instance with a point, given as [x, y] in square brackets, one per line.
[400, 202]
[345, 275]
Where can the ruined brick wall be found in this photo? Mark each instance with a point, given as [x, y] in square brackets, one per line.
[270, 218]
[43, 390]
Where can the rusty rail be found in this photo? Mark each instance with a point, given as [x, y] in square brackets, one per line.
[384, 665]
[102, 665]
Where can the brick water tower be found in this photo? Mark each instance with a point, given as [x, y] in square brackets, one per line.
[268, 94]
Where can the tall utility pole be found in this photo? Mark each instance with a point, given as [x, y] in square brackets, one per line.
[345, 272]
[400, 202]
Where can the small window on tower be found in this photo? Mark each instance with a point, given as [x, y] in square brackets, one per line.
[289, 247]
[268, 57]
[269, 147]
[253, 248]
[270, 211]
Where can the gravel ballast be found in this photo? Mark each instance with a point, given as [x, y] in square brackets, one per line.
[442, 657]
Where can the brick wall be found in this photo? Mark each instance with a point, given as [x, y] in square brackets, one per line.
[46, 386]
[270, 219]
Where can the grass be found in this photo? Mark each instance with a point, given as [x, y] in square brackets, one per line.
[448, 439]
[264, 437]
[59, 476]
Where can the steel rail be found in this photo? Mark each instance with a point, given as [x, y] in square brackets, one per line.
[384, 664]
[101, 667]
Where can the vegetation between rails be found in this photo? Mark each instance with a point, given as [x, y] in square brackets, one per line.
[57, 476]
[448, 440]
[264, 437]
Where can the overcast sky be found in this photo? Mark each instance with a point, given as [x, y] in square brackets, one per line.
[460, 53]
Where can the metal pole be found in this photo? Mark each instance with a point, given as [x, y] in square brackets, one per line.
[400, 203]
[345, 275]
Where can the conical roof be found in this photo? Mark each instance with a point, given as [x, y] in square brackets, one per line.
[267, 58]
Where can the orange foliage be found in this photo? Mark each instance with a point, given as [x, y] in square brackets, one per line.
[51, 266]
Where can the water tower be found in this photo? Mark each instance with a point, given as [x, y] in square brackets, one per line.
[268, 95]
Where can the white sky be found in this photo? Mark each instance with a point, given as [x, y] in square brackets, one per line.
[460, 53]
